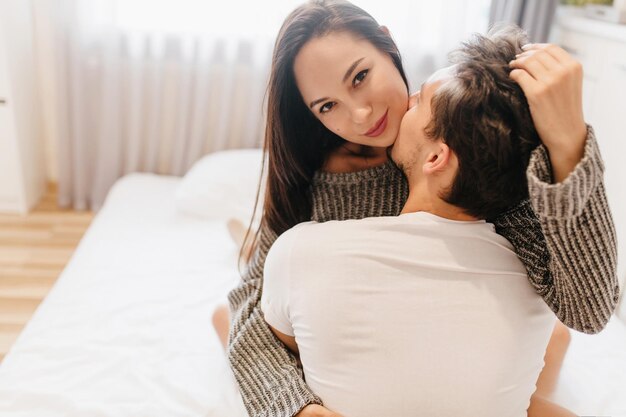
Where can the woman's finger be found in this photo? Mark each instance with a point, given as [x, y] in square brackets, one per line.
[555, 51]
[542, 56]
[534, 67]
[524, 79]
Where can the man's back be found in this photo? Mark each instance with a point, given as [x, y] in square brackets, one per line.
[408, 315]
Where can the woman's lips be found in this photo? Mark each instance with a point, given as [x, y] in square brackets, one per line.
[379, 127]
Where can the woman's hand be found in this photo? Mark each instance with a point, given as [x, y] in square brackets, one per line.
[314, 410]
[552, 82]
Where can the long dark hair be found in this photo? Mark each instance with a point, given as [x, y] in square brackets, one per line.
[296, 143]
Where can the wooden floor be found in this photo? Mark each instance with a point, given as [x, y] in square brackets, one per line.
[34, 249]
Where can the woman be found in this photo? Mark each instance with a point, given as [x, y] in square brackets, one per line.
[323, 164]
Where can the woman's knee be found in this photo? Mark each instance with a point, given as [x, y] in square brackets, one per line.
[221, 324]
[221, 316]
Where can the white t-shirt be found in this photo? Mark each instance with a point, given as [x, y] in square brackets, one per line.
[414, 315]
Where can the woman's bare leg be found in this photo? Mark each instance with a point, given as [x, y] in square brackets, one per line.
[221, 323]
[555, 353]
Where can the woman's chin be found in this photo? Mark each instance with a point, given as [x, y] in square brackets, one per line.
[388, 140]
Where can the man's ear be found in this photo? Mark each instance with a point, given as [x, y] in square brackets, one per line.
[437, 159]
[385, 29]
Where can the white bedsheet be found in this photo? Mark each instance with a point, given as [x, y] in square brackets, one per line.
[126, 331]
[593, 379]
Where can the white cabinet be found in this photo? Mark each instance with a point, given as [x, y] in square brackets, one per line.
[601, 48]
[22, 174]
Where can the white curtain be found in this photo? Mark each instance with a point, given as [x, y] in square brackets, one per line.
[534, 16]
[151, 86]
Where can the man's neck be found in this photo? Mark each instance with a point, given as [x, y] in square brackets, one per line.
[422, 199]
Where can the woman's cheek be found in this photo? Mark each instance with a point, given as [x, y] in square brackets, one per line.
[328, 125]
[395, 122]
[336, 127]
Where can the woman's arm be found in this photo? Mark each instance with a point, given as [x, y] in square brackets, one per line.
[579, 230]
[565, 237]
[269, 379]
[565, 234]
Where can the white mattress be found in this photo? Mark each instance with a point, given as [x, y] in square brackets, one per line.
[126, 330]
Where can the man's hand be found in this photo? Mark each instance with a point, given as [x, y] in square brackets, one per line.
[552, 82]
[314, 410]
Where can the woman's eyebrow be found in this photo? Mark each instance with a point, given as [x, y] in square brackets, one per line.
[352, 67]
[319, 100]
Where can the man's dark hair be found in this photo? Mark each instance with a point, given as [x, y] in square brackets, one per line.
[483, 116]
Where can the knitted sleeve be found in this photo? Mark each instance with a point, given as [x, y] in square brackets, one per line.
[270, 381]
[566, 238]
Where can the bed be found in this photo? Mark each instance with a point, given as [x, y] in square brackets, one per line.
[126, 330]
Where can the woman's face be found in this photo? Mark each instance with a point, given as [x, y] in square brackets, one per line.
[354, 89]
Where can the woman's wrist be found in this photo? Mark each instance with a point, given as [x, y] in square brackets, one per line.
[564, 157]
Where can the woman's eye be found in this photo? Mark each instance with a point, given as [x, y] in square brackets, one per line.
[359, 77]
[325, 108]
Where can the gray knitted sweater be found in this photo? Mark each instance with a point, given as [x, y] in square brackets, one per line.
[564, 236]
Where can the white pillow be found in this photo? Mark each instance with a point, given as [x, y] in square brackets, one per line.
[222, 185]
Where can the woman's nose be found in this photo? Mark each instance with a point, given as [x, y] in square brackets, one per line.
[361, 113]
[413, 99]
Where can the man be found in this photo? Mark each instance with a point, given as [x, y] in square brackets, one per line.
[431, 312]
